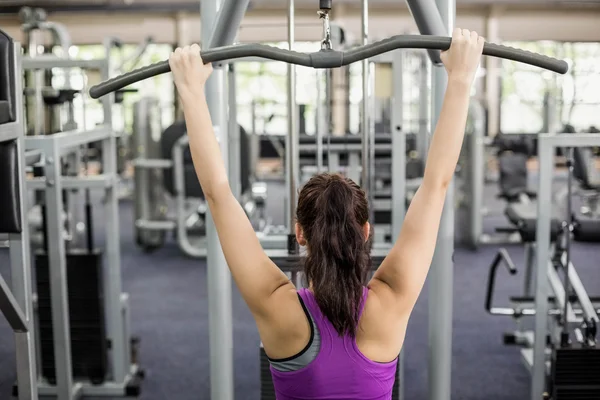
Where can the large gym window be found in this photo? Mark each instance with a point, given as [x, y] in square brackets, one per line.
[532, 102]
[89, 113]
[261, 93]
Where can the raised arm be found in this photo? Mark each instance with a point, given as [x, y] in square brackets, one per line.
[400, 278]
[256, 276]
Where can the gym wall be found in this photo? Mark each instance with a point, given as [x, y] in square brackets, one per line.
[270, 26]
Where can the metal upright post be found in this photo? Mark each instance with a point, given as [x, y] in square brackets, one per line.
[476, 170]
[292, 155]
[119, 355]
[398, 171]
[430, 20]
[320, 126]
[58, 273]
[365, 126]
[441, 276]
[544, 211]
[233, 129]
[218, 275]
[424, 104]
[20, 262]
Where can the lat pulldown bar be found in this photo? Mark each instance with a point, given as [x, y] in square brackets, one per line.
[329, 58]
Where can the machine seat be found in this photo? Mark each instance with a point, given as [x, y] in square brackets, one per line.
[587, 228]
[524, 217]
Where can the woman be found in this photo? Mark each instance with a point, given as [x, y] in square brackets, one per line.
[338, 339]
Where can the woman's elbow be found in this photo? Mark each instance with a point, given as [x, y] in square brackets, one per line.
[216, 190]
[437, 182]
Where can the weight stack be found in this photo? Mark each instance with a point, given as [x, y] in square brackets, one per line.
[86, 316]
[267, 391]
[576, 373]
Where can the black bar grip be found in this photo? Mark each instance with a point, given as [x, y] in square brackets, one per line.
[329, 58]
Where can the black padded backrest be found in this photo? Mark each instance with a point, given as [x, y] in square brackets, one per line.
[10, 204]
[7, 79]
[173, 133]
[169, 137]
[513, 174]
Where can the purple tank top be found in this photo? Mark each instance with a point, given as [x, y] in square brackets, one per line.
[340, 371]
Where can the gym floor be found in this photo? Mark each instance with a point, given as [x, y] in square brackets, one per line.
[169, 304]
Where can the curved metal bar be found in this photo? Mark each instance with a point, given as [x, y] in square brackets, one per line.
[329, 58]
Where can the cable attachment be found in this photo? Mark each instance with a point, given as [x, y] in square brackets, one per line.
[326, 42]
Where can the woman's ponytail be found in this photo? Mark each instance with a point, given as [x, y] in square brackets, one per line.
[332, 212]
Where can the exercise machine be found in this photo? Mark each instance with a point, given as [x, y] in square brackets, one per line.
[79, 307]
[561, 352]
[48, 110]
[15, 303]
[586, 222]
[432, 20]
[167, 195]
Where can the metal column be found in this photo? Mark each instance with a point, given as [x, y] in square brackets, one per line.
[233, 130]
[475, 173]
[58, 273]
[431, 20]
[424, 104]
[441, 274]
[119, 355]
[292, 155]
[538, 370]
[398, 170]
[365, 126]
[20, 262]
[224, 30]
[218, 275]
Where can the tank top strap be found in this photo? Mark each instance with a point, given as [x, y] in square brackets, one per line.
[326, 330]
[325, 327]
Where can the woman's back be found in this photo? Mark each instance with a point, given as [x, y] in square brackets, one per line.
[335, 367]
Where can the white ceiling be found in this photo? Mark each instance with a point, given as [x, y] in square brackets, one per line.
[49, 4]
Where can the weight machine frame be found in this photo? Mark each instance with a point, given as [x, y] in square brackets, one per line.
[547, 145]
[551, 304]
[16, 304]
[53, 148]
[430, 16]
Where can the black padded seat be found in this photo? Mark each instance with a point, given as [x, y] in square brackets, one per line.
[524, 217]
[586, 229]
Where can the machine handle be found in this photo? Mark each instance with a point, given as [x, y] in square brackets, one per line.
[329, 58]
[502, 257]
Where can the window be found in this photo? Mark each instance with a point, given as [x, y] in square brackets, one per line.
[532, 99]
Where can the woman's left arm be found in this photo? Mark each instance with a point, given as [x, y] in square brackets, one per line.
[256, 276]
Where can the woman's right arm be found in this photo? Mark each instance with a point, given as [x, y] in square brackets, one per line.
[400, 278]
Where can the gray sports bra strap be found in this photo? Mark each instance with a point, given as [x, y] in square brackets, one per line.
[306, 355]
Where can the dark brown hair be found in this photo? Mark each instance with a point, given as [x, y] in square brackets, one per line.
[332, 211]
